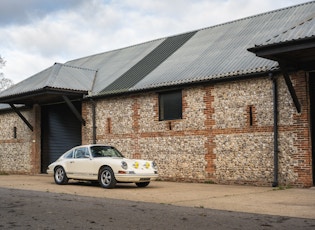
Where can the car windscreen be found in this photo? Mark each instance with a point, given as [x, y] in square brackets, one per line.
[105, 151]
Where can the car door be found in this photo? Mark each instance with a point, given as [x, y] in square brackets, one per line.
[81, 166]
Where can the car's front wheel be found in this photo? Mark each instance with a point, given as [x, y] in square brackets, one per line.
[60, 176]
[106, 178]
[142, 184]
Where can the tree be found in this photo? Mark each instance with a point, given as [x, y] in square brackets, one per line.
[4, 82]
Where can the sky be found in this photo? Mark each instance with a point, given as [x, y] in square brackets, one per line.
[34, 34]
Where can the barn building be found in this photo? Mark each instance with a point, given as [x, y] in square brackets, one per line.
[230, 104]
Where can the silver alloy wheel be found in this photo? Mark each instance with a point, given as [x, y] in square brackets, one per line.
[59, 174]
[106, 177]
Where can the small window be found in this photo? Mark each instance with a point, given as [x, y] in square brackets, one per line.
[14, 132]
[251, 115]
[170, 105]
[251, 120]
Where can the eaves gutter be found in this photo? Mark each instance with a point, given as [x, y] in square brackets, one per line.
[46, 90]
[284, 46]
[173, 86]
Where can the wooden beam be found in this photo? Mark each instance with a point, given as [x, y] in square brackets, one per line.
[290, 87]
[21, 116]
[73, 109]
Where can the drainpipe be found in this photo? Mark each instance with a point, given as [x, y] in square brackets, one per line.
[93, 120]
[275, 130]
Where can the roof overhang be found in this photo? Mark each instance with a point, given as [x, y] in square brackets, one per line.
[295, 54]
[43, 96]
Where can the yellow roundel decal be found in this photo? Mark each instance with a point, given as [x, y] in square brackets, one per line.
[147, 165]
[136, 165]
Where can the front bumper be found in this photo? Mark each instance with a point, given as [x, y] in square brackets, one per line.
[50, 170]
[135, 178]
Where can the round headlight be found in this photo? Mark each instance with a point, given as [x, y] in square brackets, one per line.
[124, 165]
[154, 165]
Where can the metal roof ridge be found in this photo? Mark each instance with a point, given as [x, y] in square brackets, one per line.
[256, 15]
[76, 67]
[53, 74]
[115, 50]
[196, 30]
[87, 69]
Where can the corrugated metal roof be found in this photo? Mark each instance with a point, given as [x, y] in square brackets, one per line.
[73, 78]
[221, 51]
[216, 52]
[304, 29]
[58, 76]
[112, 65]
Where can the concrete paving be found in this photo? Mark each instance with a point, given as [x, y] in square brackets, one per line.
[292, 202]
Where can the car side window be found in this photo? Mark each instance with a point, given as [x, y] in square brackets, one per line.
[105, 151]
[81, 153]
[69, 154]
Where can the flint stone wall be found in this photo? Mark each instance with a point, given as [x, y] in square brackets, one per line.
[244, 153]
[15, 153]
[136, 131]
[214, 141]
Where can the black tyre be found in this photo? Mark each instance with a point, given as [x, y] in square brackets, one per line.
[106, 178]
[142, 184]
[60, 176]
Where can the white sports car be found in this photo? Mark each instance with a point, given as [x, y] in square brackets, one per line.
[104, 164]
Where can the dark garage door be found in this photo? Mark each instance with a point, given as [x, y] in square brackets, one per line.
[61, 130]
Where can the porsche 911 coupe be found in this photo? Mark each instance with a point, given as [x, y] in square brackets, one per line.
[104, 164]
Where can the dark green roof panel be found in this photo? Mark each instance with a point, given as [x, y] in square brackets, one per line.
[146, 65]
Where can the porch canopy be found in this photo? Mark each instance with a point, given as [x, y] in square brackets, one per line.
[57, 84]
[293, 48]
[51, 86]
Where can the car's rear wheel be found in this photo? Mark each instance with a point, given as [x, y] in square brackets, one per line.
[60, 176]
[143, 184]
[106, 178]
